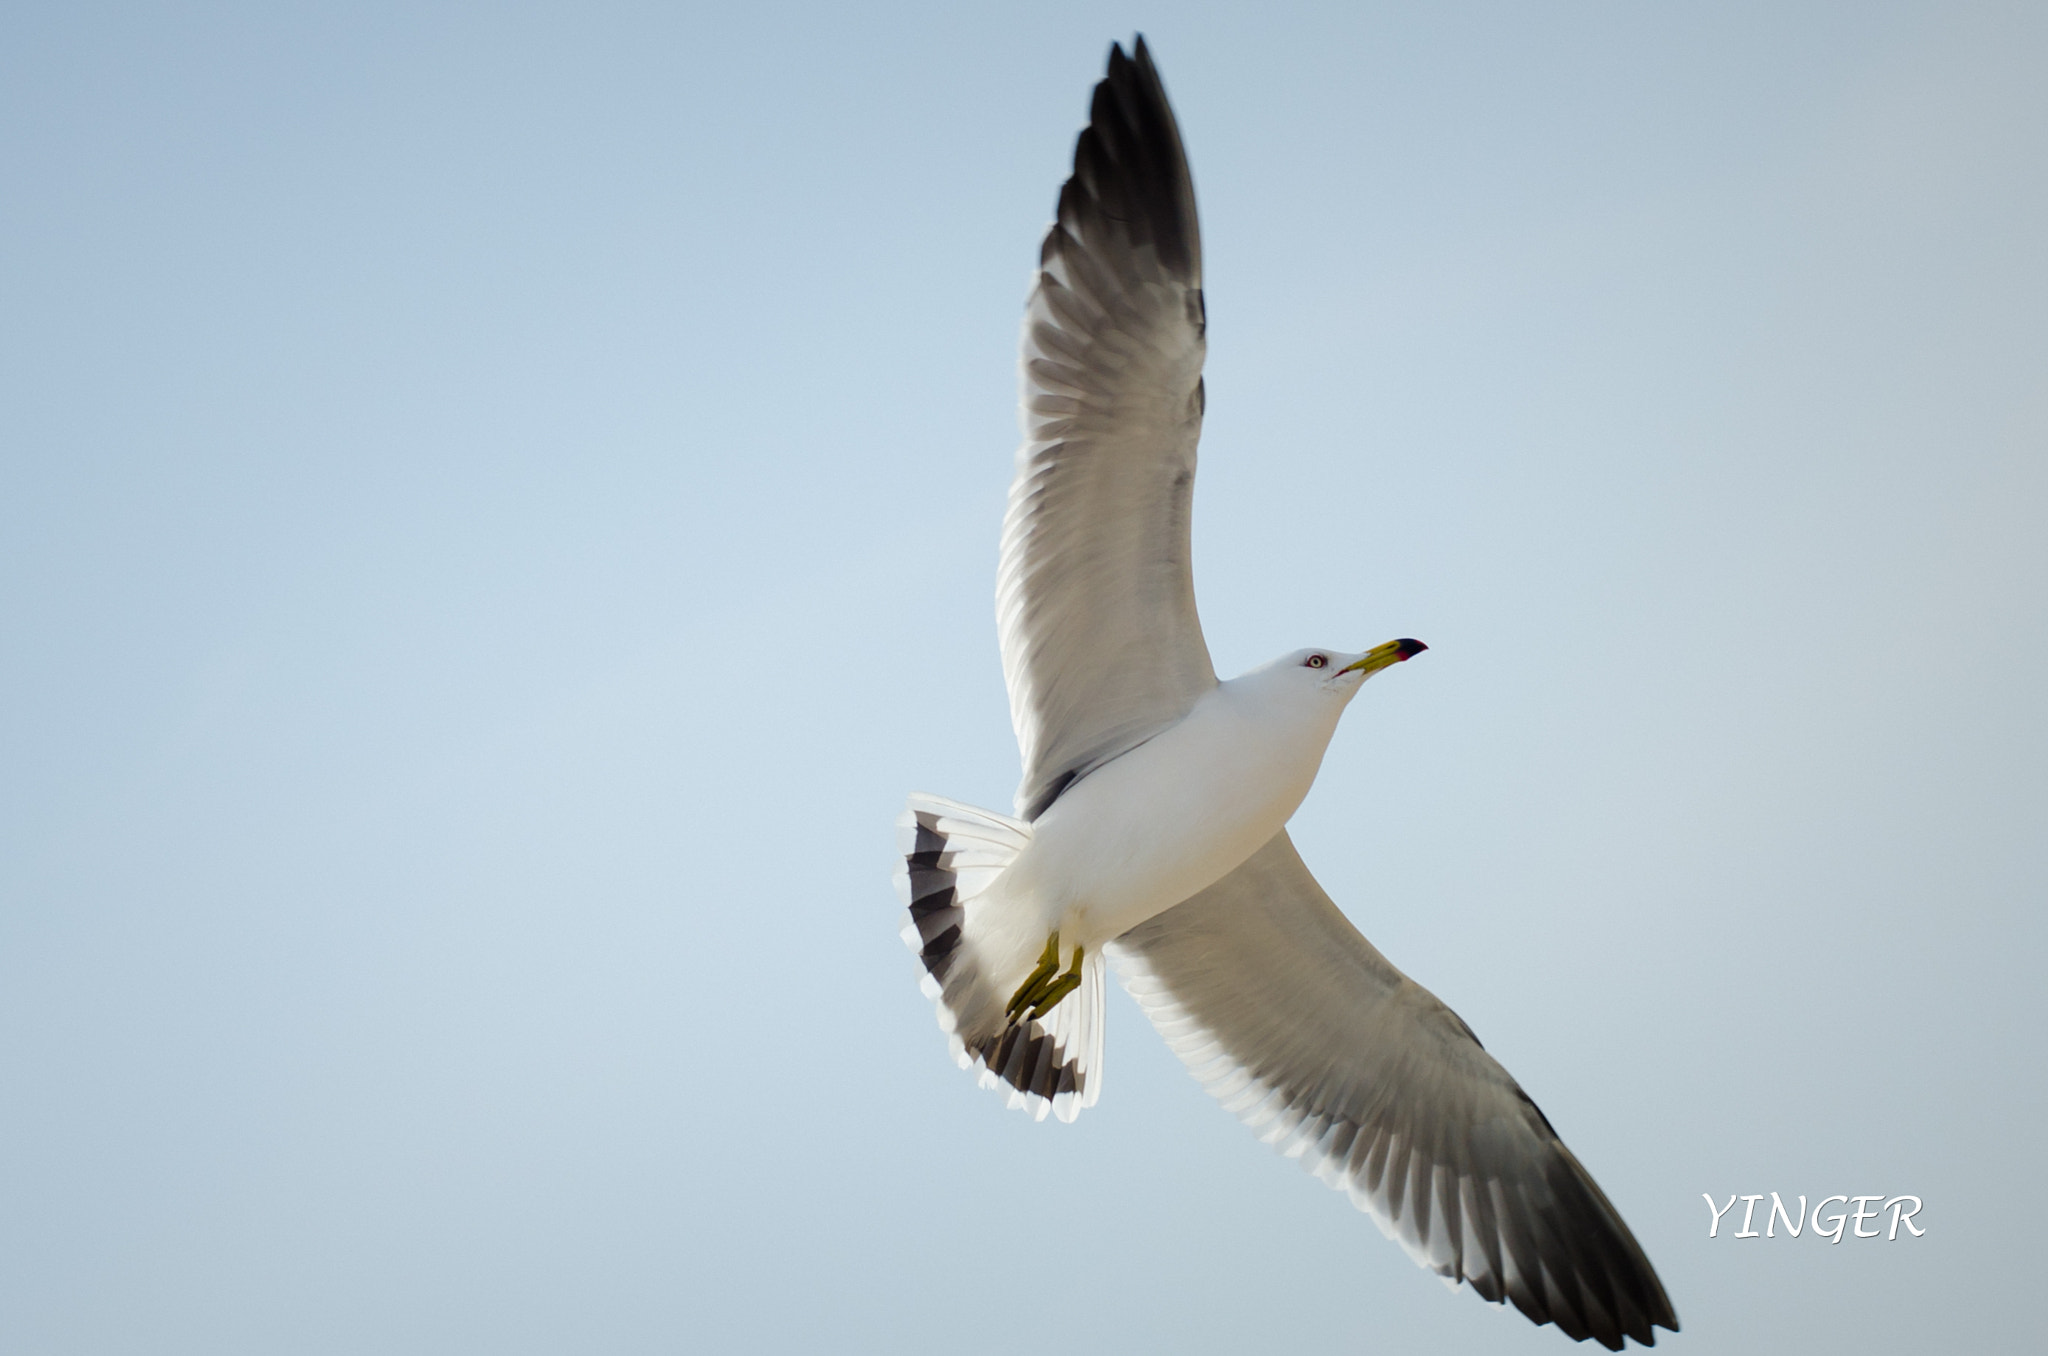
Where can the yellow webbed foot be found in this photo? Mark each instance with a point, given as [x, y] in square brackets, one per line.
[1036, 983]
[1061, 987]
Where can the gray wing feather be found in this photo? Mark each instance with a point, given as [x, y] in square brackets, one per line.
[1290, 1017]
[1095, 600]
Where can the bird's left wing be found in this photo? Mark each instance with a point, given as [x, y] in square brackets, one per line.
[1094, 601]
[1294, 1021]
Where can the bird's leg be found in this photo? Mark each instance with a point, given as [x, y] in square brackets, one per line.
[1036, 983]
[1061, 987]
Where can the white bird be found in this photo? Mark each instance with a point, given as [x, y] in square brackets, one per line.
[1150, 825]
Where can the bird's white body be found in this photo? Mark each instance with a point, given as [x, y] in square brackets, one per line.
[1155, 825]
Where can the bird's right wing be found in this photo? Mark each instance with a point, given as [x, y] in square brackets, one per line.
[1095, 601]
[1295, 1022]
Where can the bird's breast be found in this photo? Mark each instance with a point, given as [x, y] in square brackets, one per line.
[1171, 817]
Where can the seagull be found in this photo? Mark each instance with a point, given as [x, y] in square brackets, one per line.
[1150, 826]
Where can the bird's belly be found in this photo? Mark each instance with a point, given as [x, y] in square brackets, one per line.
[1161, 823]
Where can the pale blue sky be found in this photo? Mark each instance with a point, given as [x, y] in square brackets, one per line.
[499, 504]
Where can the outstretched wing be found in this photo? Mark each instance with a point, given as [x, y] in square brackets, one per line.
[1295, 1022]
[1095, 601]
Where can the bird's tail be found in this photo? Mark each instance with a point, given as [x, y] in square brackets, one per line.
[979, 947]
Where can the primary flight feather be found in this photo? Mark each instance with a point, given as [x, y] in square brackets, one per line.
[1150, 822]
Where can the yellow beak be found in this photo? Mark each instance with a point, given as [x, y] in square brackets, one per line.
[1384, 656]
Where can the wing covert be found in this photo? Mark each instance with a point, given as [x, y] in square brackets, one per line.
[1095, 599]
[1293, 1020]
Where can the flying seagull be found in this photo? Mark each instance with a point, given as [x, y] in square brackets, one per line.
[1151, 822]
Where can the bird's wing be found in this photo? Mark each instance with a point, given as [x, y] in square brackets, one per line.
[1095, 601]
[1294, 1021]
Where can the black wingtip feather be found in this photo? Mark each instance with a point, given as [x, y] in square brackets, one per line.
[1130, 170]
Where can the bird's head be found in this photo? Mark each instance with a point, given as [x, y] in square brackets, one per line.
[1341, 674]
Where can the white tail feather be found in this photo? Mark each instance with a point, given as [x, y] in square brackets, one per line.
[976, 953]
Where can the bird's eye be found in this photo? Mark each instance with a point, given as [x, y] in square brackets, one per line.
[1316, 661]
